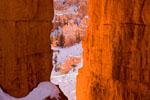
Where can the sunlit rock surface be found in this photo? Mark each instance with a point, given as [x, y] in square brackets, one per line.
[116, 58]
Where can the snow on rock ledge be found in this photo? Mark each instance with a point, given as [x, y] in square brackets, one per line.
[43, 90]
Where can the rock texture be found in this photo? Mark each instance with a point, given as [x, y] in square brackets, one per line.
[25, 56]
[116, 51]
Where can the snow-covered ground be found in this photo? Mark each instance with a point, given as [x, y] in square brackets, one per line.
[43, 90]
[64, 53]
[73, 9]
[67, 82]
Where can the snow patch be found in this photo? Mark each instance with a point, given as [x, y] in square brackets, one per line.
[86, 16]
[78, 21]
[56, 31]
[75, 50]
[43, 90]
[64, 53]
[73, 9]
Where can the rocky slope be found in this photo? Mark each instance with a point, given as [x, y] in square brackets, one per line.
[116, 58]
[25, 56]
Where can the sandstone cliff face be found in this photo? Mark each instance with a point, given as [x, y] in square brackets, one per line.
[116, 51]
[25, 56]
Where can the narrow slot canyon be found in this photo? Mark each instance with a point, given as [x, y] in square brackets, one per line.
[116, 50]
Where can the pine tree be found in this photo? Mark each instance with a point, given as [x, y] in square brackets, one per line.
[78, 38]
[62, 40]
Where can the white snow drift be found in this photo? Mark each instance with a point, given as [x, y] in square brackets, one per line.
[43, 90]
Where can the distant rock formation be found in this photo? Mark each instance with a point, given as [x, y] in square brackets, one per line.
[69, 64]
[84, 7]
[83, 26]
[68, 16]
[70, 32]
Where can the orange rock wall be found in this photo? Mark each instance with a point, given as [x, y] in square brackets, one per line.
[25, 56]
[116, 53]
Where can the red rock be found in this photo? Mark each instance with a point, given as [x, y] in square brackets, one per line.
[25, 55]
[70, 32]
[70, 63]
[116, 57]
[84, 6]
[83, 26]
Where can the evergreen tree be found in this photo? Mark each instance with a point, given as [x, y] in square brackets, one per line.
[62, 40]
[78, 38]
